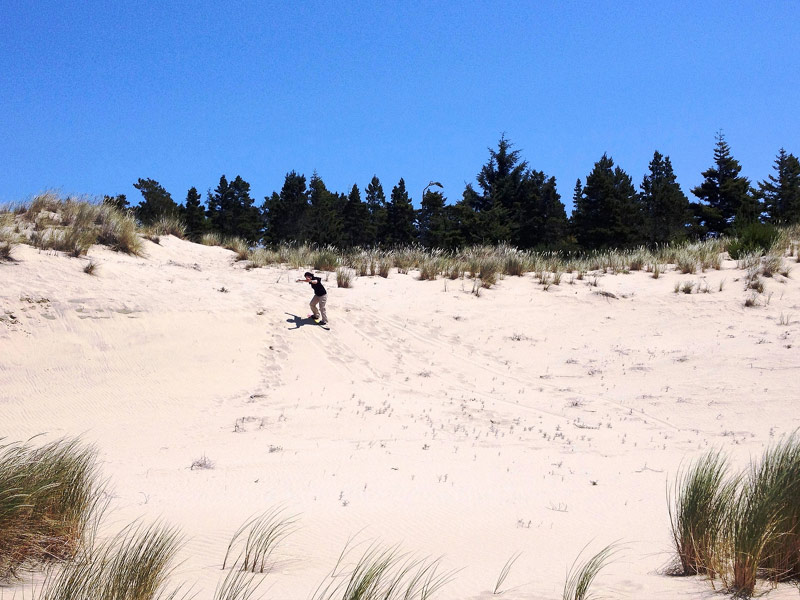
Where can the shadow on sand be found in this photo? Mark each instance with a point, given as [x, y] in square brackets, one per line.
[298, 322]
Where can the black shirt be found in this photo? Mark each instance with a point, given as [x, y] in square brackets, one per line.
[319, 289]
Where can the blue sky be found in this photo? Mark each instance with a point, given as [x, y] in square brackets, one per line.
[96, 95]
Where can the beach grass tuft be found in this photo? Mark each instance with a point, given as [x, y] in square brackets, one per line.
[256, 540]
[581, 575]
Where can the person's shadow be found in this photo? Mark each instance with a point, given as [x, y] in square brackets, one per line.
[298, 321]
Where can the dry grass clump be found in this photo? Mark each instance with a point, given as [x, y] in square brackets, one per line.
[133, 565]
[382, 574]
[49, 497]
[170, 225]
[325, 259]
[211, 239]
[73, 225]
[257, 539]
[344, 277]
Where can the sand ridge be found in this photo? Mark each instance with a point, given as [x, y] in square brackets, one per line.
[458, 426]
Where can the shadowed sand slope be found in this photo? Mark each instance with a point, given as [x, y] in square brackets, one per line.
[466, 427]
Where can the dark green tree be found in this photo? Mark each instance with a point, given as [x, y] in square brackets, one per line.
[194, 215]
[540, 214]
[724, 192]
[607, 213]
[156, 202]
[400, 217]
[120, 202]
[246, 220]
[285, 213]
[432, 220]
[665, 206]
[324, 225]
[219, 211]
[376, 205]
[781, 192]
[356, 220]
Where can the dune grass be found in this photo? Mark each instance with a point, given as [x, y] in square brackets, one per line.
[698, 503]
[382, 574]
[237, 585]
[740, 528]
[501, 578]
[133, 565]
[50, 497]
[581, 575]
[257, 539]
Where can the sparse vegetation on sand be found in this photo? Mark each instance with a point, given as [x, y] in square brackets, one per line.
[581, 575]
[134, 564]
[254, 542]
[49, 499]
[382, 574]
[741, 528]
[72, 225]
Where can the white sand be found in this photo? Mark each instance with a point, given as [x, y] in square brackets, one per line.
[465, 427]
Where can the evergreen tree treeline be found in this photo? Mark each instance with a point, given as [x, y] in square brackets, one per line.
[511, 202]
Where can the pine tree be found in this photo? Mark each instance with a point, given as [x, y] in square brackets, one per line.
[157, 202]
[724, 191]
[355, 220]
[194, 215]
[324, 225]
[376, 205]
[219, 209]
[285, 213]
[120, 202]
[400, 217]
[431, 220]
[541, 216]
[665, 206]
[781, 194]
[246, 218]
[607, 213]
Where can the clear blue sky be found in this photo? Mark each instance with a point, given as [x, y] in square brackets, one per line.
[94, 95]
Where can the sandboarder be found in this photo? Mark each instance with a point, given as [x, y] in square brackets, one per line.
[319, 299]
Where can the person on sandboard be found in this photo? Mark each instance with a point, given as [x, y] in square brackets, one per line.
[320, 297]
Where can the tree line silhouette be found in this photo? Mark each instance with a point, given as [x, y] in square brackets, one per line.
[512, 203]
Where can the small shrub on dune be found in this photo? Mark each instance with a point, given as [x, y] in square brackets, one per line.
[239, 246]
[118, 231]
[90, 268]
[429, 269]
[211, 239]
[6, 251]
[771, 264]
[384, 266]
[699, 503]
[514, 265]
[326, 259]
[171, 225]
[344, 277]
[754, 238]
[45, 202]
[133, 565]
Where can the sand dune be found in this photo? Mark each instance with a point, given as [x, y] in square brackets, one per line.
[465, 427]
